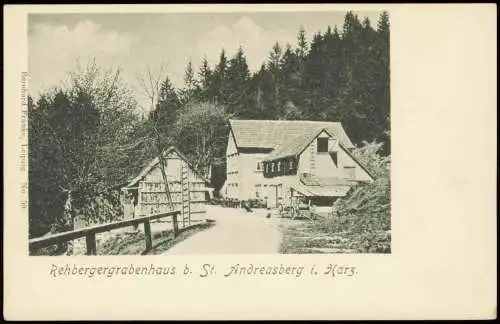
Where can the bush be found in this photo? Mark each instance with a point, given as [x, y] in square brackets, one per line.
[364, 214]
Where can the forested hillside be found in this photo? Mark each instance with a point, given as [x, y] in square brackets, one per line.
[87, 137]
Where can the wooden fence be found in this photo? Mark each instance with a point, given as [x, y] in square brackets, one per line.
[90, 232]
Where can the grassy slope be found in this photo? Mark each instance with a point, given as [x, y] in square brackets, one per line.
[302, 236]
[305, 236]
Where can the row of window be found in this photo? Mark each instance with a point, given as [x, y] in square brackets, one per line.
[276, 166]
[281, 167]
[172, 186]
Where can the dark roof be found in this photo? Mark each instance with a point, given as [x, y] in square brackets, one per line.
[156, 160]
[272, 133]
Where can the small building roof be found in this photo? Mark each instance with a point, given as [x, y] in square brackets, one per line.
[321, 191]
[156, 160]
[310, 180]
[271, 133]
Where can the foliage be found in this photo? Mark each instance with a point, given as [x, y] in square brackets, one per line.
[79, 139]
[201, 131]
[359, 222]
[341, 75]
[365, 212]
[87, 136]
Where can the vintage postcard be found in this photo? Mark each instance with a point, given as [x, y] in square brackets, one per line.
[250, 162]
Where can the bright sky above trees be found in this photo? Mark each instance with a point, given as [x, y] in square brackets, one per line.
[135, 41]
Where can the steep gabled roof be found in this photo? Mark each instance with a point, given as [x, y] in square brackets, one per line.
[156, 160]
[295, 145]
[271, 133]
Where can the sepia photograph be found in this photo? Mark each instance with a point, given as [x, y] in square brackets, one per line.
[240, 161]
[241, 133]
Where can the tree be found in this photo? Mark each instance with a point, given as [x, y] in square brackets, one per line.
[237, 86]
[290, 76]
[220, 79]
[274, 63]
[190, 83]
[46, 200]
[206, 89]
[382, 75]
[167, 107]
[79, 140]
[262, 85]
[291, 112]
[302, 46]
[151, 85]
[63, 135]
[202, 131]
[315, 79]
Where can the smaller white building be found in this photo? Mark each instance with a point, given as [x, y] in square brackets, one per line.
[189, 192]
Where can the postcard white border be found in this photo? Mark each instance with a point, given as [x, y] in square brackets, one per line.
[443, 264]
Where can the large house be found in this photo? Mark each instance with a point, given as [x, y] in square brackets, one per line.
[276, 160]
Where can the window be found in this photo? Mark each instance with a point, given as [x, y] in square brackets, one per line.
[272, 167]
[279, 166]
[291, 164]
[258, 166]
[323, 145]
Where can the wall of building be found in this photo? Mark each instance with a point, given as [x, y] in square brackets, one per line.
[249, 175]
[232, 170]
[152, 198]
[278, 190]
[322, 165]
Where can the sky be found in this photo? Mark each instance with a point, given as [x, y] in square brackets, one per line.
[136, 42]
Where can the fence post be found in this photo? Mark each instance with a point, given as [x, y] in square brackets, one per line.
[91, 244]
[175, 224]
[147, 234]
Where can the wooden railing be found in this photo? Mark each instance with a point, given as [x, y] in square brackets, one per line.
[90, 232]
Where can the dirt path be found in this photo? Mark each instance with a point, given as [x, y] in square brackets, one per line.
[235, 232]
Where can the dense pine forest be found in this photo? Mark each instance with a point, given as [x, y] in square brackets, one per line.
[88, 137]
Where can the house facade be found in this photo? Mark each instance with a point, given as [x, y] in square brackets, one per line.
[146, 195]
[278, 160]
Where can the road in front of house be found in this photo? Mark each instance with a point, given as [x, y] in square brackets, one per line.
[236, 231]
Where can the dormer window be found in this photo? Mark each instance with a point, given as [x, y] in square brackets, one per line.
[322, 144]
